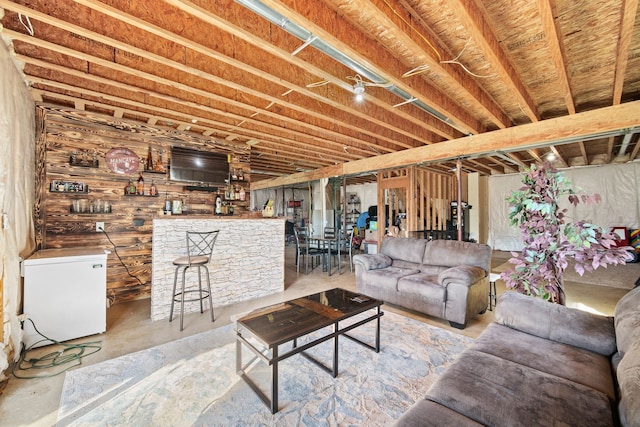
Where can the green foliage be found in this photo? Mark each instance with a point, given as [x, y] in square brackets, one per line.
[549, 241]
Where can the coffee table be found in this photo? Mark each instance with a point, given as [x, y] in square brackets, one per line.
[263, 331]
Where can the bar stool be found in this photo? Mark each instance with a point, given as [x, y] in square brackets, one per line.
[199, 250]
[493, 296]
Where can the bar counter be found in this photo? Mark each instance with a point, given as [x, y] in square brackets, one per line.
[247, 260]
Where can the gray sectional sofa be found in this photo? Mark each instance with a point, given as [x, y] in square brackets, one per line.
[442, 278]
[542, 364]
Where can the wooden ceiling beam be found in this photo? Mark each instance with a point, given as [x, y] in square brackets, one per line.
[182, 68]
[545, 8]
[355, 152]
[484, 168]
[479, 30]
[629, 13]
[583, 152]
[610, 144]
[300, 13]
[523, 137]
[183, 119]
[414, 52]
[636, 147]
[300, 154]
[430, 123]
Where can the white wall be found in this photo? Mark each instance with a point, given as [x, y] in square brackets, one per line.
[617, 185]
[17, 172]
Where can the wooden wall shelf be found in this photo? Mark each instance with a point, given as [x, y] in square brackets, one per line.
[85, 164]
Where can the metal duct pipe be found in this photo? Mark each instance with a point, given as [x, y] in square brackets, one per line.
[625, 143]
[311, 40]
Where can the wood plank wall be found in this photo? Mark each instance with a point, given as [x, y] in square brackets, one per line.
[434, 192]
[60, 131]
[429, 196]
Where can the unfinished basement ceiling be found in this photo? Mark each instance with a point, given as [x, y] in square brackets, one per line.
[432, 70]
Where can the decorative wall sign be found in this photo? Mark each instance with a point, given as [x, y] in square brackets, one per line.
[122, 160]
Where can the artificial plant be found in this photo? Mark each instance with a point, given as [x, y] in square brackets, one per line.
[549, 240]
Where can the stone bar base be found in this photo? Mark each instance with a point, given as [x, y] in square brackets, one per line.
[247, 261]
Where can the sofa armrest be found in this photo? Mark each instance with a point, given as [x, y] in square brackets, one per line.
[372, 261]
[557, 322]
[463, 274]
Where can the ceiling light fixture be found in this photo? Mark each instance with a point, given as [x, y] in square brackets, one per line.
[370, 74]
[358, 89]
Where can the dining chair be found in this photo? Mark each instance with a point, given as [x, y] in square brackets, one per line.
[332, 247]
[199, 250]
[304, 249]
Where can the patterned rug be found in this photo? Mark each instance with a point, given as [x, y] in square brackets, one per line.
[192, 381]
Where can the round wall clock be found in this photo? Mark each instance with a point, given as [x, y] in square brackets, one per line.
[122, 160]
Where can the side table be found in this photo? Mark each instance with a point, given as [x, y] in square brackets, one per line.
[493, 277]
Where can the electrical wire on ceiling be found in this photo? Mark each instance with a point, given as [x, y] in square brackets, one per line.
[456, 62]
[422, 37]
[414, 71]
[422, 68]
[28, 25]
[318, 84]
[370, 73]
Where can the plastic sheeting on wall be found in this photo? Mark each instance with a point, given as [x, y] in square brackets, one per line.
[617, 184]
[17, 171]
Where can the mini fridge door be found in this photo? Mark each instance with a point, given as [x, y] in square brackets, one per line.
[64, 294]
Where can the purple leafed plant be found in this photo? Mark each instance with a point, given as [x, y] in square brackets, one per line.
[549, 241]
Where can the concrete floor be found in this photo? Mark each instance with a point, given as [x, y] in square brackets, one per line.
[34, 402]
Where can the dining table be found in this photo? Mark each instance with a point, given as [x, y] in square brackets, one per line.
[326, 245]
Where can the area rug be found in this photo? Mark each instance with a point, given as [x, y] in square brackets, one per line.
[617, 276]
[192, 381]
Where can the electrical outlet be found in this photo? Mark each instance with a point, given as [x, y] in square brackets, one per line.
[99, 226]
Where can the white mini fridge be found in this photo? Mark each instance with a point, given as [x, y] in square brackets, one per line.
[65, 294]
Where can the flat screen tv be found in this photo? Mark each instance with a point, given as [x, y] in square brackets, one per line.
[198, 166]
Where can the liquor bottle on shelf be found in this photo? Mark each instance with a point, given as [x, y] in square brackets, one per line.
[149, 160]
[167, 203]
[153, 190]
[159, 167]
[140, 186]
[218, 208]
[132, 188]
[243, 194]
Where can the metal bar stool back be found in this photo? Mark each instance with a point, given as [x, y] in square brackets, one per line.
[199, 250]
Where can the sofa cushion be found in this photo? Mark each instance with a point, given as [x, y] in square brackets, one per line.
[450, 253]
[627, 320]
[406, 264]
[432, 269]
[498, 392]
[423, 286]
[411, 250]
[468, 274]
[372, 261]
[552, 357]
[629, 383]
[426, 413]
[386, 277]
[556, 322]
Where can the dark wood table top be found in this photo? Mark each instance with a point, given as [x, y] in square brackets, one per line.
[280, 323]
